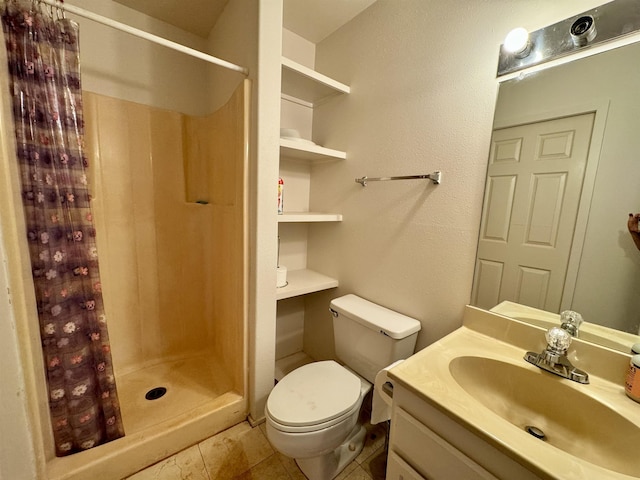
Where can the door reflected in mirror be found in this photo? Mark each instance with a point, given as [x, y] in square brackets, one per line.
[563, 177]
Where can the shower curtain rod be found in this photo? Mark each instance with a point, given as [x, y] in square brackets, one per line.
[146, 35]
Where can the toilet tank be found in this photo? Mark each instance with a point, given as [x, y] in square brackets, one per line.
[369, 337]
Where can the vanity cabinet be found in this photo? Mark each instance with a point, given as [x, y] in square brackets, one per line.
[427, 444]
[304, 88]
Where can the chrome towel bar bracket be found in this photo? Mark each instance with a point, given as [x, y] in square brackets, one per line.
[435, 177]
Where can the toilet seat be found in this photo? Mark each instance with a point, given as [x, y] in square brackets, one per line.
[313, 397]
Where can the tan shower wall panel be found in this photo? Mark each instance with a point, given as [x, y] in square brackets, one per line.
[183, 234]
[197, 152]
[229, 137]
[213, 154]
[144, 235]
[215, 150]
[153, 276]
[226, 154]
[224, 285]
[214, 168]
[118, 146]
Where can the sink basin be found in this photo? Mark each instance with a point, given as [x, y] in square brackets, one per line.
[570, 418]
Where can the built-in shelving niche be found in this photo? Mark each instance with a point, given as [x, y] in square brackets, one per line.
[309, 88]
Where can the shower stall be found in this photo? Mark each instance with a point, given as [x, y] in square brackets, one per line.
[169, 200]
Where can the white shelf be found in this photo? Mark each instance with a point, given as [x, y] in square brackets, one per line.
[308, 151]
[308, 85]
[302, 282]
[308, 217]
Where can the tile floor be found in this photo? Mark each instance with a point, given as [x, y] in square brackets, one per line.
[244, 453]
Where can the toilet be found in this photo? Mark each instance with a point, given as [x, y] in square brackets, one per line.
[312, 414]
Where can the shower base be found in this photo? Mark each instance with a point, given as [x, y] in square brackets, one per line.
[199, 402]
[190, 382]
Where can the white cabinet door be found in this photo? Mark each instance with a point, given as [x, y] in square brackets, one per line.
[398, 469]
[429, 454]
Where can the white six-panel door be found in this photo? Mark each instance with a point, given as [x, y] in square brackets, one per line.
[531, 201]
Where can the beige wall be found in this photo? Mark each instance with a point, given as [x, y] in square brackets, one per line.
[423, 85]
[234, 39]
[130, 68]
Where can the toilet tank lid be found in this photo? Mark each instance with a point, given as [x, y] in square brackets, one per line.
[375, 317]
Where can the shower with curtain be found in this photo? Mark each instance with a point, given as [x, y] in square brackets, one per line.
[44, 81]
[134, 223]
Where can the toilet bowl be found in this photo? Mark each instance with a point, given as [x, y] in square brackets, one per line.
[312, 416]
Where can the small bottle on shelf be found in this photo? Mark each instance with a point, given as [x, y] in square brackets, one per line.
[280, 196]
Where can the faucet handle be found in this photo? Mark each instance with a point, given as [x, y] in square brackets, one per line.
[558, 339]
[570, 316]
[571, 321]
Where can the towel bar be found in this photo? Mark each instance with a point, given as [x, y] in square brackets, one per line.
[435, 177]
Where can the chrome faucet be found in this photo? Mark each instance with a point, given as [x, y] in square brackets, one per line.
[554, 358]
[570, 321]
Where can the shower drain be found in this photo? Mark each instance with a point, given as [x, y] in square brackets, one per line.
[155, 393]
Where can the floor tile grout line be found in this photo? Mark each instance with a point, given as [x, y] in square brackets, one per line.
[284, 467]
[206, 469]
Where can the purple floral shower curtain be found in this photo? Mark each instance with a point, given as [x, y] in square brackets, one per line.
[44, 71]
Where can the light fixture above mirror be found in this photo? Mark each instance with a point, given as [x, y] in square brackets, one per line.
[605, 23]
[517, 42]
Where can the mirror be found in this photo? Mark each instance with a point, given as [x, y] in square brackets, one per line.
[563, 176]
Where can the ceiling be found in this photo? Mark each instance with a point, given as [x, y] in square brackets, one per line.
[317, 19]
[311, 19]
[195, 16]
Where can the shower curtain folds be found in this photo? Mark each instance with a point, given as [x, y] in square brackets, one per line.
[44, 82]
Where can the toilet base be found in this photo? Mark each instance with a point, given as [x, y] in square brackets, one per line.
[328, 466]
